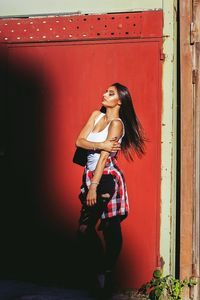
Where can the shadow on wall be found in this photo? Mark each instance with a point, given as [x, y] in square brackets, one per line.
[31, 247]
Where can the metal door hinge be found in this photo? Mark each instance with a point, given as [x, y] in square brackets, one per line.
[191, 33]
[162, 54]
[160, 262]
[194, 32]
[194, 76]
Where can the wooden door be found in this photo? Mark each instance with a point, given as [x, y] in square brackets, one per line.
[57, 72]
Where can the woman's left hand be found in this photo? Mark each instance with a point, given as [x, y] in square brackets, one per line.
[91, 196]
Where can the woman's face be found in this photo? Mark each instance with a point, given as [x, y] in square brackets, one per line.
[110, 97]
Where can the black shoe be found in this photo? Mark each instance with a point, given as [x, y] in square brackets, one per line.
[95, 289]
[108, 286]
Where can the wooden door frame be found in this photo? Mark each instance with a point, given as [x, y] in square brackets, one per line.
[189, 136]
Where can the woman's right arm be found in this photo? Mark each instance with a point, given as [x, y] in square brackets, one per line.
[110, 146]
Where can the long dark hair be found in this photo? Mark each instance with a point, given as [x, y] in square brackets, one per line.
[134, 139]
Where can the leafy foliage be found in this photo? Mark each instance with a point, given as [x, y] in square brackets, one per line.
[165, 287]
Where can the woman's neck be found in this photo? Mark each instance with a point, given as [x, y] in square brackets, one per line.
[110, 114]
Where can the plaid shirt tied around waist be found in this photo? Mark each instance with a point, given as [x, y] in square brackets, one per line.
[118, 204]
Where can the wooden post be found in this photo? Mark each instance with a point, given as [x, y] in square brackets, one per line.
[190, 141]
[187, 141]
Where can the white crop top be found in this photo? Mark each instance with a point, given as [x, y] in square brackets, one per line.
[93, 156]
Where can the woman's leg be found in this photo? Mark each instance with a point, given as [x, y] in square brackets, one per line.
[90, 245]
[113, 244]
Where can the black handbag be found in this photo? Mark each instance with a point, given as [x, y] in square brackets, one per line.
[80, 156]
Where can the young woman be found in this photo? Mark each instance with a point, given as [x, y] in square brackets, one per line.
[103, 191]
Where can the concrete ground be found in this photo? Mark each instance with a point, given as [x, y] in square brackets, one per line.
[17, 290]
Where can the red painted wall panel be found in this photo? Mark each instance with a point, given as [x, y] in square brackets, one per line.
[82, 27]
[74, 76]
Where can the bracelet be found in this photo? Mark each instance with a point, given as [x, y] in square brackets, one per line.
[93, 182]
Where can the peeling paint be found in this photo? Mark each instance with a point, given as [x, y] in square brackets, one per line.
[168, 145]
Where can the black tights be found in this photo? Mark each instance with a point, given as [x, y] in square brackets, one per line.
[96, 259]
[113, 242]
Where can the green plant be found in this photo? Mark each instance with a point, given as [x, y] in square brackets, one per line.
[165, 287]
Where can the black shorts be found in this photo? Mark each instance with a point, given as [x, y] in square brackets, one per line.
[90, 214]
